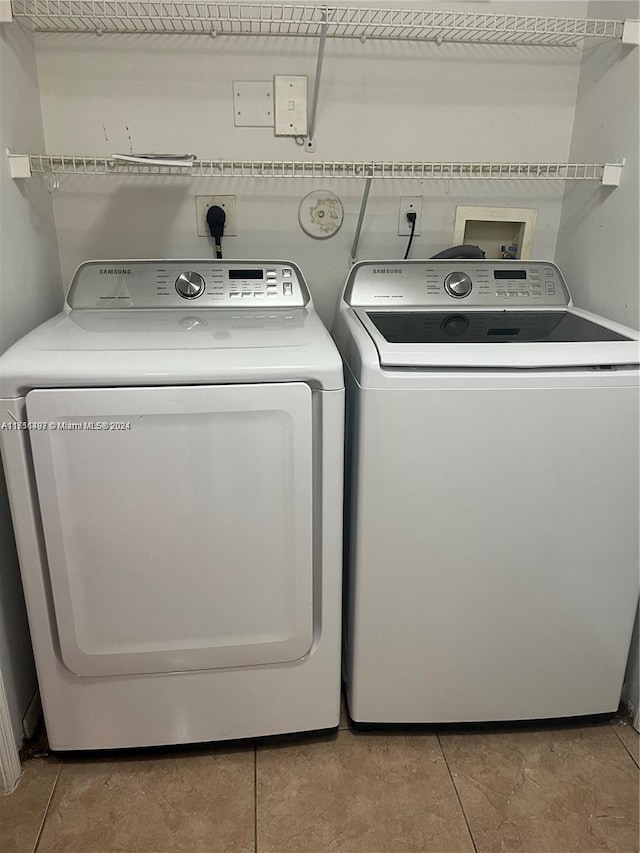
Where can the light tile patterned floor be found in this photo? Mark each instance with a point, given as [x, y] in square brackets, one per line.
[544, 789]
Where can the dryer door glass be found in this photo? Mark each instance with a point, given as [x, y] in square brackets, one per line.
[178, 524]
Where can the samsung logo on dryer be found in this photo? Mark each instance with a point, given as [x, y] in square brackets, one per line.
[113, 271]
[386, 270]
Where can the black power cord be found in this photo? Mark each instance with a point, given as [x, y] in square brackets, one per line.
[215, 220]
[411, 217]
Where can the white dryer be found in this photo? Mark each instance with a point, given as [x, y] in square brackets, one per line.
[493, 518]
[173, 448]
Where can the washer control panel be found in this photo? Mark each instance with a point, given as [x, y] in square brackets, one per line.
[176, 283]
[430, 284]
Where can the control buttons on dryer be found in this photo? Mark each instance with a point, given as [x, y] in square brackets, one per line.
[458, 285]
[190, 285]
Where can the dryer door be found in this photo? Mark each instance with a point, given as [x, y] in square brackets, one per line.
[178, 524]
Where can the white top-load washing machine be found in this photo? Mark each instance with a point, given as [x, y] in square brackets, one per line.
[493, 465]
[173, 448]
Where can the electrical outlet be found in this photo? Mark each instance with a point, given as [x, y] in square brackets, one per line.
[408, 203]
[227, 203]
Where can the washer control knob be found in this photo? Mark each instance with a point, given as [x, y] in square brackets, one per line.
[455, 325]
[458, 285]
[190, 285]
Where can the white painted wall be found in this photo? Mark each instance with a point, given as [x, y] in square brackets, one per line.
[30, 292]
[598, 238]
[109, 94]
[598, 241]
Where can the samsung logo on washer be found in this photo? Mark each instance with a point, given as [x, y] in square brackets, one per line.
[378, 270]
[109, 271]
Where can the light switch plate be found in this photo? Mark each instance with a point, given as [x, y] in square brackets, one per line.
[253, 103]
[290, 95]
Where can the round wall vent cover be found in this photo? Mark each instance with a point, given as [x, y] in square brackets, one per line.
[320, 214]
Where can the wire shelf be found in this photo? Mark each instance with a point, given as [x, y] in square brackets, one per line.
[292, 19]
[74, 165]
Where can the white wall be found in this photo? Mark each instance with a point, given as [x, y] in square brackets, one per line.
[598, 238]
[30, 292]
[392, 100]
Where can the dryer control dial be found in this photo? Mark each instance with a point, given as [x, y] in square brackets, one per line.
[458, 285]
[190, 285]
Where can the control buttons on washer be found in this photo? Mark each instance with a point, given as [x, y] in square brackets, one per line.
[548, 271]
[190, 285]
[287, 288]
[458, 285]
[286, 272]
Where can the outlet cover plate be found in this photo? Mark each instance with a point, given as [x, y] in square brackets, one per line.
[253, 103]
[290, 96]
[227, 203]
[407, 203]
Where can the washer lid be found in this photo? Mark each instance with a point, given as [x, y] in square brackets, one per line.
[502, 339]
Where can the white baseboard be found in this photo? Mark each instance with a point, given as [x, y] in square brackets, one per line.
[32, 716]
[10, 768]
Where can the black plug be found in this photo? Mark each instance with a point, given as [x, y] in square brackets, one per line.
[411, 217]
[215, 220]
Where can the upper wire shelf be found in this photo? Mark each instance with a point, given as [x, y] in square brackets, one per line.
[285, 19]
[23, 165]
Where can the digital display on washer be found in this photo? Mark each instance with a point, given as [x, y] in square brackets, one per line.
[246, 273]
[429, 327]
[509, 274]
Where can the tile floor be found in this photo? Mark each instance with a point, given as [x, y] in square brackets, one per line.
[558, 789]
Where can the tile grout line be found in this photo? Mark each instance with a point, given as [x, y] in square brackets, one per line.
[46, 811]
[255, 798]
[624, 744]
[455, 788]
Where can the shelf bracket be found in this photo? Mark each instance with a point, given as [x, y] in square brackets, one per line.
[612, 174]
[631, 32]
[19, 165]
[6, 12]
[363, 207]
[310, 142]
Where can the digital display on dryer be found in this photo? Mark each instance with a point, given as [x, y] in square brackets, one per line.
[246, 274]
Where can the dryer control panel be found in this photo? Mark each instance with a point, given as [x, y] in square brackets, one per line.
[440, 283]
[177, 283]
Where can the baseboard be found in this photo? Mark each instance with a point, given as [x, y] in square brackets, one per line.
[32, 716]
[636, 721]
